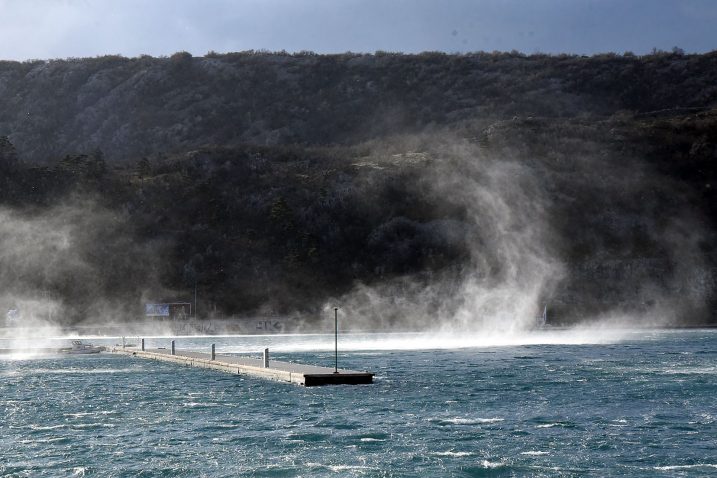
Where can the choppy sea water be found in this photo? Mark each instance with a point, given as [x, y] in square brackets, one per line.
[639, 404]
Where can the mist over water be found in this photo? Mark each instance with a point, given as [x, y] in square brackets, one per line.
[417, 341]
[514, 264]
[70, 263]
[521, 223]
[527, 223]
[511, 265]
[348, 342]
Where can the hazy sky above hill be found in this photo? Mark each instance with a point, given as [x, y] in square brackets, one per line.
[78, 28]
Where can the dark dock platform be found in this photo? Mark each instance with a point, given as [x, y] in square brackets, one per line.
[307, 375]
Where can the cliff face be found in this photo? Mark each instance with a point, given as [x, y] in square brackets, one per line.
[130, 108]
[417, 188]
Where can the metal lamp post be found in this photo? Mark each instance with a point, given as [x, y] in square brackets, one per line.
[336, 340]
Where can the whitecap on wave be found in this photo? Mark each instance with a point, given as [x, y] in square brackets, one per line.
[492, 464]
[340, 468]
[78, 371]
[685, 467]
[453, 453]
[468, 421]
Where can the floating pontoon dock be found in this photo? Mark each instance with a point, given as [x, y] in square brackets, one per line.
[307, 375]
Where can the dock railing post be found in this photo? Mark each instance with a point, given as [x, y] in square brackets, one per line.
[172, 347]
[142, 345]
[214, 354]
[336, 340]
[266, 358]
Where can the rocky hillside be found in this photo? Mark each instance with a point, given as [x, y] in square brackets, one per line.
[412, 189]
[133, 107]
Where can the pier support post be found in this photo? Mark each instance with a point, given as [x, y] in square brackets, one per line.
[142, 345]
[172, 347]
[266, 358]
[214, 355]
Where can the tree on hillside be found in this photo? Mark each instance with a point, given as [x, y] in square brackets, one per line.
[8, 155]
[143, 168]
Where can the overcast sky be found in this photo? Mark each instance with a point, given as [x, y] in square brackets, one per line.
[78, 28]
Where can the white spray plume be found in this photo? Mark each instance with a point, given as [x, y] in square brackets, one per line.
[517, 241]
[512, 264]
[77, 250]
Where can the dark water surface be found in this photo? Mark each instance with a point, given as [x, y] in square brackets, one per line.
[643, 406]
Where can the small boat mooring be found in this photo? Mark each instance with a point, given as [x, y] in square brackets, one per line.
[80, 348]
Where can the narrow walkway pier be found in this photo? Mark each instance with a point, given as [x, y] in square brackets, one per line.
[307, 375]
